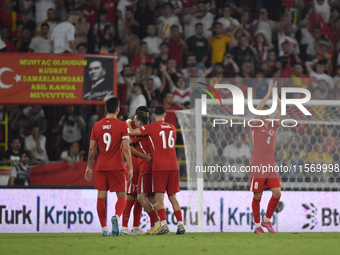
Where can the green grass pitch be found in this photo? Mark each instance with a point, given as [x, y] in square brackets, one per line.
[171, 244]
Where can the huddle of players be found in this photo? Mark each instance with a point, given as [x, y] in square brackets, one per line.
[151, 171]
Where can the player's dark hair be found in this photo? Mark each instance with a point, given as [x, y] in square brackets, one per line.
[112, 104]
[160, 110]
[143, 117]
[142, 109]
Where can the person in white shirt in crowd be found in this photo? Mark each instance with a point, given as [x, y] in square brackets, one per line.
[35, 144]
[237, 154]
[26, 8]
[191, 61]
[123, 5]
[206, 18]
[41, 43]
[72, 154]
[153, 41]
[72, 124]
[165, 22]
[319, 73]
[264, 25]
[323, 7]
[285, 35]
[227, 21]
[62, 38]
[14, 153]
[51, 20]
[82, 27]
[41, 7]
[138, 98]
[190, 22]
[33, 114]
[20, 174]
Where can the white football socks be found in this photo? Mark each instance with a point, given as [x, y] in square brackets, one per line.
[180, 223]
[266, 219]
[257, 225]
[163, 222]
[105, 229]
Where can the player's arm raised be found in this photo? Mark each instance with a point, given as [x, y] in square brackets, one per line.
[264, 100]
[92, 152]
[127, 155]
[278, 116]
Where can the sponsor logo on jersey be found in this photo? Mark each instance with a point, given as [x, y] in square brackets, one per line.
[271, 132]
[106, 126]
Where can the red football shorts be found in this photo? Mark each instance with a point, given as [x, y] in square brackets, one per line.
[114, 181]
[165, 181]
[132, 185]
[144, 184]
[271, 181]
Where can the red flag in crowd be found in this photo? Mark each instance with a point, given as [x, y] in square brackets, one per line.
[287, 72]
[316, 19]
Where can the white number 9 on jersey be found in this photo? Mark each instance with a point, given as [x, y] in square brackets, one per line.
[107, 140]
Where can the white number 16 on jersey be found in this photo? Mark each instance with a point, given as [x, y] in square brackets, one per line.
[171, 140]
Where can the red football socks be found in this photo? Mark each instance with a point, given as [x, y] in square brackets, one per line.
[120, 206]
[137, 214]
[153, 217]
[256, 210]
[178, 215]
[161, 213]
[127, 211]
[101, 210]
[273, 202]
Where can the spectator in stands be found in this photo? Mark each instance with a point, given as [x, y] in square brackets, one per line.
[72, 124]
[98, 29]
[82, 48]
[261, 47]
[167, 21]
[24, 42]
[151, 91]
[176, 45]
[149, 74]
[70, 5]
[123, 5]
[18, 32]
[217, 79]
[110, 7]
[3, 46]
[260, 86]
[228, 22]
[72, 154]
[288, 53]
[230, 67]
[90, 12]
[170, 107]
[190, 22]
[246, 21]
[109, 38]
[35, 144]
[41, 43]
[26, 9]
[323, 7]
[264, 26]
[301, 80]
[206, 18]
[20, 174]
[142, 58]
[9, 17]
[242, 53]
[82, 27]
[122, 60]
[19, 127]
[131, 39]
[41, 9]
[5, 38]
[164, 56]
[62, 37]
[33, 114]
[284, 35]
[319, 74]
[191, 61]
[314, 43]
[13, 155]
[325, 54]
[174, 72]
[144, 15]
[138, 98]
[218, 44]
[51, 20]
[152, 41]
[198, 46]
[336, 77]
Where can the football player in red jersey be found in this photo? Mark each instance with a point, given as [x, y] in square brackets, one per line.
[112, 138]
[264, 155]
[137, 155]
[165, 178]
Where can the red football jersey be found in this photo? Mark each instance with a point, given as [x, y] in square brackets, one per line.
[162, 137]
[143, 144]
[109, 134]
[135, 160]
[110, 7]
[264, 144]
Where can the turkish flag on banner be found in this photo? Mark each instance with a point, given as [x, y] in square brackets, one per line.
[289, 3]
[317, 20]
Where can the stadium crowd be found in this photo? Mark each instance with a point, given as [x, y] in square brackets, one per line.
[160, 45]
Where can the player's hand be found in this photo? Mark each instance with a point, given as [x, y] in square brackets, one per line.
[270, 87]
[88, 174]
[148, 158]
[130, 175]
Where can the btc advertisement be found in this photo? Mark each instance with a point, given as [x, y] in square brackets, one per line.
[48, 211]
